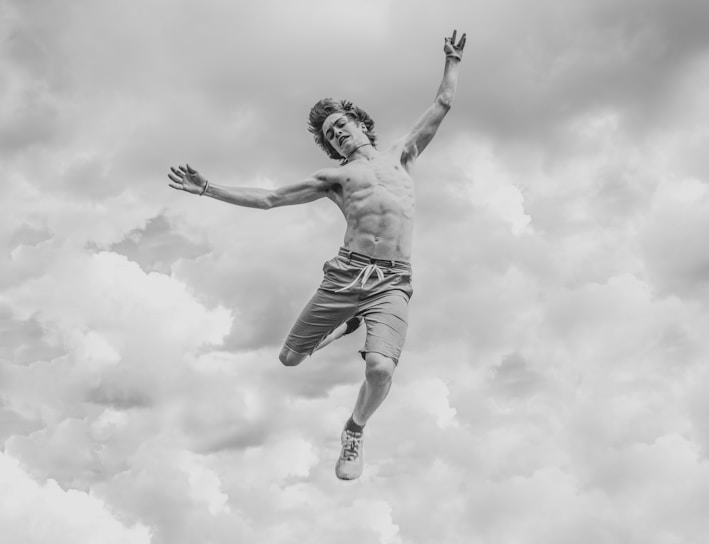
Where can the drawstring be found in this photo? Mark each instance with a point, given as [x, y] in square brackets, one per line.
[364, 274]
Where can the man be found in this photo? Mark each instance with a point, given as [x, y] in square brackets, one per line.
[370, 278]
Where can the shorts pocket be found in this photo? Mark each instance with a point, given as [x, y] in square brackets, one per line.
[335, 275]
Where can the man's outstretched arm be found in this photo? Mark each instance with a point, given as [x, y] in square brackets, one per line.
[425, 128]
[186, 178]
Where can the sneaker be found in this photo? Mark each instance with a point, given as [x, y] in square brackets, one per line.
[350, 464]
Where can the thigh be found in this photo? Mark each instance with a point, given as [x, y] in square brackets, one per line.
[321, 315]
[387, 319]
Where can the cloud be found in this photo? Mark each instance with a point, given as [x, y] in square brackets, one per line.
[158, 245]
[676, 259]
[34, 513]
[550, 389]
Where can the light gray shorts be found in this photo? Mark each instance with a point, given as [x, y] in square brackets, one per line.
[357, 285]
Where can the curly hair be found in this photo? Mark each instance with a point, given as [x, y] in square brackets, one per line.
[326, 107]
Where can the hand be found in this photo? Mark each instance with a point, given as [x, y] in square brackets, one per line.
[451, 49]
[187, 179]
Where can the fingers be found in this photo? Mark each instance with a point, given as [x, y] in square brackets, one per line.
[176, 178]
[461, 43]
[178, 175]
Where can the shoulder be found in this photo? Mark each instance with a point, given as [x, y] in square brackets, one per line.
[328, 176]
[325, 179]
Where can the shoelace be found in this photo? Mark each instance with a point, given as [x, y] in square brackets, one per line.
[364, 275]
[351, 445]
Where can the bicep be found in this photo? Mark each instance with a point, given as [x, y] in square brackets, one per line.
[301, 193]
[423, 131]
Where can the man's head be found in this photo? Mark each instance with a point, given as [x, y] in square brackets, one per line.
[339, 127]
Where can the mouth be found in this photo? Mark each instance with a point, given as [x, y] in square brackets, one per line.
[342, 139]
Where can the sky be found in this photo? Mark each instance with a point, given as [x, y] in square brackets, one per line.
[553, 384]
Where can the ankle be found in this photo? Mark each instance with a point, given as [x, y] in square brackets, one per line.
[353, 426]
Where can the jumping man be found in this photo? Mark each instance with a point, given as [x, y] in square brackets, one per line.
[369, 280]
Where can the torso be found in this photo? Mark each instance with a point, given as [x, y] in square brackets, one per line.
[376, 197]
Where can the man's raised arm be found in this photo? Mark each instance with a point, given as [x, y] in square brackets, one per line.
[186, 178]
[425, 128]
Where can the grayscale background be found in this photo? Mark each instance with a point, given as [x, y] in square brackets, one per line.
[553, 388]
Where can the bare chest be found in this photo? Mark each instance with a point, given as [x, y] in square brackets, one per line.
[380, 181]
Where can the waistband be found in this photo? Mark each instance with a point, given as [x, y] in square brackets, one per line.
[361, 258]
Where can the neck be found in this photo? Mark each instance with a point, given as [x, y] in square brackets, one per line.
[356, 149]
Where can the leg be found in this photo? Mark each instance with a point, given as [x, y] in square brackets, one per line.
[385, 311]
[386, 319]
[291, 358]
[374, 390]
[323, 313]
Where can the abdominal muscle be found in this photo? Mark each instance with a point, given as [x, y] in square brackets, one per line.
[378, 203]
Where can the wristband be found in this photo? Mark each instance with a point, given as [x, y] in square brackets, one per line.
[206, 186]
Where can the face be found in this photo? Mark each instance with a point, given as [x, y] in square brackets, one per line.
[344, 134]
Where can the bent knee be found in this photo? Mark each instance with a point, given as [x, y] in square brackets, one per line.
[380, 368]
[291, 358]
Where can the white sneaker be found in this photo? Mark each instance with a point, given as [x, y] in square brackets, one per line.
[351, 462]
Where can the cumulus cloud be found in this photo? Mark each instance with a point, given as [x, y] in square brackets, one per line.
[33, 513]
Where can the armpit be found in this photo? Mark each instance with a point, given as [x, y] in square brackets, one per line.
[404, 149]
[334, 193]
[409, 152]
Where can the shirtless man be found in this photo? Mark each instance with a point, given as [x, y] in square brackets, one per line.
[370, 278]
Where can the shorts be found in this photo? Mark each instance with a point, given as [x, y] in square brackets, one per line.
[357, 285]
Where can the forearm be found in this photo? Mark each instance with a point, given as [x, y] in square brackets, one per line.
[446, 91]
[250, 197]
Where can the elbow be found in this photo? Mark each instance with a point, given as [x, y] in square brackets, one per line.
[267, 202]
[445, 101]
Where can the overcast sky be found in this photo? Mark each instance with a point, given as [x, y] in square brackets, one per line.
[553, 388]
